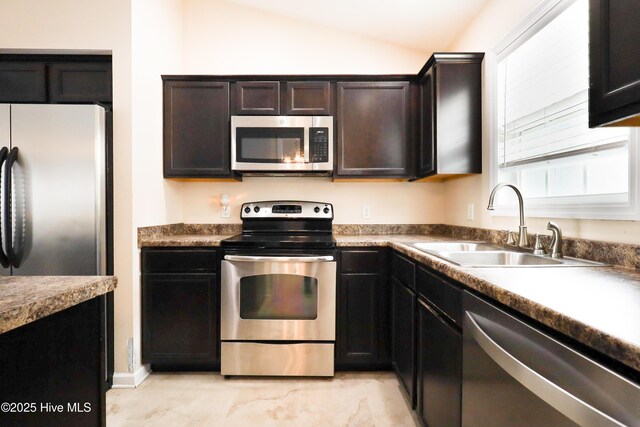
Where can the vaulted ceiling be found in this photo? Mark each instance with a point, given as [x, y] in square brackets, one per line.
[426, 25]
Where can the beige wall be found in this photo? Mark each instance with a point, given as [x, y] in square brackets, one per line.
[156, 50]
[225, 38]
[35, 25]
[390, 202]
[490, 26]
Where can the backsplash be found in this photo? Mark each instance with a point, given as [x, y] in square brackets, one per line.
[620, 254]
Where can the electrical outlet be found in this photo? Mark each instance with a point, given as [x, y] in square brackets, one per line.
[366, 211]
[470, 212]
[225, 212]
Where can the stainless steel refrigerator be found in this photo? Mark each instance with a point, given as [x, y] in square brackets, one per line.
[52, 189]
[53, 196]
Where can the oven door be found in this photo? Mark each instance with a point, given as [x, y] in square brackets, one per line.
[275, 298]
[270, 143]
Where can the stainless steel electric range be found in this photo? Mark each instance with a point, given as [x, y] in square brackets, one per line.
[278, 296]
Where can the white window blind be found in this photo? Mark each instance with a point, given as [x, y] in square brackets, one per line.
[544, 144]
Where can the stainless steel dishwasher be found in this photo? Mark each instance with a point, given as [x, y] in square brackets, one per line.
[515, 375]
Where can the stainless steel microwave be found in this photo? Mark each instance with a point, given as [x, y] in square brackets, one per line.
[282, 143]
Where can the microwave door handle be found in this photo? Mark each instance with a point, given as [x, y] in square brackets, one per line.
[306, 144]
[277, 258]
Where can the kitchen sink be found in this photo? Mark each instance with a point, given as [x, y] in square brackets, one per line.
[480, 254]
[455, 246]
[497, 258]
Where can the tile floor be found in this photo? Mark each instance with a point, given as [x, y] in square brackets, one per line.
[207, 399]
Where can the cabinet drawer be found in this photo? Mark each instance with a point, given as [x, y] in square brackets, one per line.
[178, 260]
[445, 296]
[359, 261]
[404, 270]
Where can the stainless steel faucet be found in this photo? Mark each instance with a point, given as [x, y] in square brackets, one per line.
[555, 247]
[523, 240]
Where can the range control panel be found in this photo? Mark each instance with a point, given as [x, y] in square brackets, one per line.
[287, 209]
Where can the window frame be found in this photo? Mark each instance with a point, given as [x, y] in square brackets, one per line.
[541, 207]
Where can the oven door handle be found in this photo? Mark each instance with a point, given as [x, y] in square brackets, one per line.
[245, 258]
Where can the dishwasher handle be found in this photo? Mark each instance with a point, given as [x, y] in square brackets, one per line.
[569, 405]
[246, 258]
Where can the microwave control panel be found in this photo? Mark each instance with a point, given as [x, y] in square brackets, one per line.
[318, 144]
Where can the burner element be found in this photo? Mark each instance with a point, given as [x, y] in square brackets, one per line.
[284, 224]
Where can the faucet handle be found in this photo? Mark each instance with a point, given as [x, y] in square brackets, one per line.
[511, 239]
[538, 248]
[555, 247]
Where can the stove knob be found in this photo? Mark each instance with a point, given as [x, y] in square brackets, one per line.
[325, 210]
[316, 209]
[256, 209]
[247, 209]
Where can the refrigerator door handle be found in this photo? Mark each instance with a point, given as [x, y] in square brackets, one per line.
[4, 260]
[8, 214]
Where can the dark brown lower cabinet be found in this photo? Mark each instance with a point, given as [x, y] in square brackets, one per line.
[180, 309]
[362, 332]
[403, 337]
[55, 361]
[439, 379]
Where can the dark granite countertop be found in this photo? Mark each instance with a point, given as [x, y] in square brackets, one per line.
[24, 299]
[183, 240]
[596, 306]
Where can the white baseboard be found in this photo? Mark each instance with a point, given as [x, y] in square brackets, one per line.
[131, 380]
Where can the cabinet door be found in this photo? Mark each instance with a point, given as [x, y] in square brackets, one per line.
[614, 62]
[373, 129]
[22, 82]
[80, 82]
[439, 379]
[308, 98]
[363, 337]
[403, 337]
[426, 144]
[259, 98]
[179, 319]
[450, 116]
[196, 129]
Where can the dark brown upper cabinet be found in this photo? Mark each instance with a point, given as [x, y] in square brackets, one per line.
[614, 63]
[80, 82]
[450, 116]
[308, 98]
[373, 127]
[23, 82]
[257, 98]
[196, 129]
[55, 79]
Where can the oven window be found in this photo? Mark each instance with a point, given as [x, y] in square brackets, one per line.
[270, 145]
[279, 297]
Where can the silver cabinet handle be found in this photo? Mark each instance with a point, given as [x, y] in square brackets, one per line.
[277, 258]
[572, 407]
